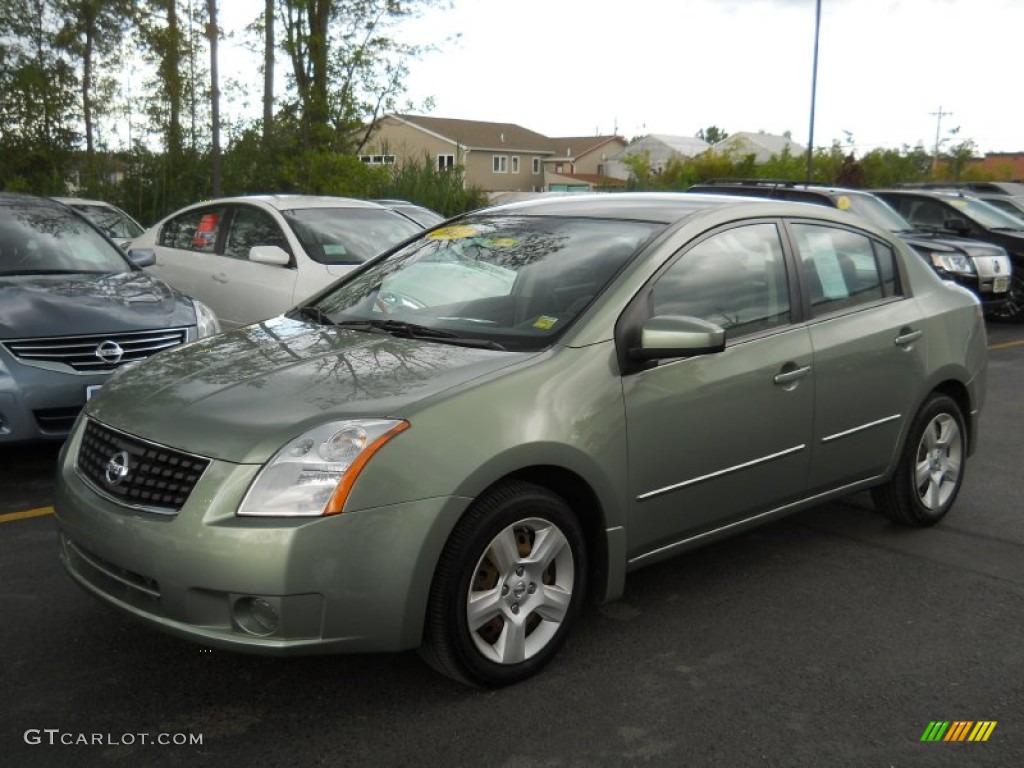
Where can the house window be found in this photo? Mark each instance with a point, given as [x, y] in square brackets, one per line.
[559, 168]
[378, 159]
[445, 162]
[536, 165]
[515, 163]
[499, 163]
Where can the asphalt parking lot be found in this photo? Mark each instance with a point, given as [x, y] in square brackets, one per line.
[828, 639]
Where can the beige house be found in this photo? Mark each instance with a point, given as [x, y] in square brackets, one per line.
[582, 163]
[496, 156]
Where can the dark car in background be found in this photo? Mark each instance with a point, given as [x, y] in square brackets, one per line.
[1007, 196]
[982, 267]
[958, 213]
[73, 310]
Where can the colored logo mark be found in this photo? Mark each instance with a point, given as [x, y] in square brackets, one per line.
[958, 730]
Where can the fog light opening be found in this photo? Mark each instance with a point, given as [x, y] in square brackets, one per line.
[257, 616]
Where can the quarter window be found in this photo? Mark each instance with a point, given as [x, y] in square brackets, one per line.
[735, 278]
[843, 269]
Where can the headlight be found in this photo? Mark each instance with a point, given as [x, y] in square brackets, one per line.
[959, 263]
[206, 321]
[313, 474]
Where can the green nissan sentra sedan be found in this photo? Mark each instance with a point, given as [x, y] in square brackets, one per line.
[456, 444]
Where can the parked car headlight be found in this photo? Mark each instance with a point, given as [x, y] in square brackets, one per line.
[207, 323]
[958, 263]
[313, 474]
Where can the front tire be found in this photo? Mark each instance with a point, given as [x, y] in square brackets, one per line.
[1012, 311]
[931, 470]
[508, 586]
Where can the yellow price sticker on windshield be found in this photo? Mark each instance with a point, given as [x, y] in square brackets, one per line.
[458, 232]
[545, 322]
[843, 203]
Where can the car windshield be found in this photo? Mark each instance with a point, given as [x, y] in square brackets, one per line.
[112, 221]
[987, 215]
[513, 282]
[348, 235]
[38, 240]
[876, 211]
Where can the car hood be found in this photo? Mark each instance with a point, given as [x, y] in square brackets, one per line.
[922, 240]
[73, 304]
[240, 396]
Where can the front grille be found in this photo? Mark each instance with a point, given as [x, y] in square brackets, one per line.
[98, 351]
[56, 420]
[136, 472]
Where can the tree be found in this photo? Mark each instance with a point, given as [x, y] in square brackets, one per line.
[712, 134]
[91, 33]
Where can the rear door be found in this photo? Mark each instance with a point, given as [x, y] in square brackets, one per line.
[869, 351]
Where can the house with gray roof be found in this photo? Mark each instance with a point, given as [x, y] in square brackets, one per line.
[763, 146]
[659, 148]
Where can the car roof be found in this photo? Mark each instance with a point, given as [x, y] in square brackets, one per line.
[663, 207]
[291, 202]
[83, 201]
[18, 198]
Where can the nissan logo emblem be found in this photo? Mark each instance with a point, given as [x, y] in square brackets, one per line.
[117, 469]
[110, 352]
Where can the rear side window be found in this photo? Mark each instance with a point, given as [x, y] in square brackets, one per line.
[193, 230]
[843, 269]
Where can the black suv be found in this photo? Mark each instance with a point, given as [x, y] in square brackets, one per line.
[982, 267]
[958, 213]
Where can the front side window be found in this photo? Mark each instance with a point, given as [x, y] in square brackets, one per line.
[843, 269]
[508, 282]
[500, 163]
[195, 230]
[251, 227]
[735, 278]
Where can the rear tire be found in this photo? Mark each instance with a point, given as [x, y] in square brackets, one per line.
[508, 587]
[930, 472]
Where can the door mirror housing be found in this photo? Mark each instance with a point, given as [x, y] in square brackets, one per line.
[666, 336]
[269, 254]
[142, 257]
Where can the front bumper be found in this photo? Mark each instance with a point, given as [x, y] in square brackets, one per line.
[355, 582]
[38, 404]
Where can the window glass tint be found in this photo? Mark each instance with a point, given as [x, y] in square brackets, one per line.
[251, 227]
[887, 269]
[839, 268]
[114, 222]
[348, 235]
[735, 279]
[193, 230]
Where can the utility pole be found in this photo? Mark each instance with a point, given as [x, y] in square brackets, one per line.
[814, 91]
[938, 127]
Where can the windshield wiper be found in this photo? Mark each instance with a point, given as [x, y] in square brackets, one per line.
[406, 330]
[315, 314]
[1007, 229]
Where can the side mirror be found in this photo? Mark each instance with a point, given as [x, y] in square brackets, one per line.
[269, 254]
[142, 257]
[666, 336]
